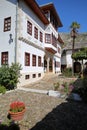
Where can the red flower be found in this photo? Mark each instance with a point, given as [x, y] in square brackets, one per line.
[17, 106]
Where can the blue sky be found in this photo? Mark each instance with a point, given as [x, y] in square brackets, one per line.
[70, 11]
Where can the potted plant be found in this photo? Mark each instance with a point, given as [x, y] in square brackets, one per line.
[56, 86]
[17, 110]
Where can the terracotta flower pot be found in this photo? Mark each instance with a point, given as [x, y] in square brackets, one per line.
[17, 116]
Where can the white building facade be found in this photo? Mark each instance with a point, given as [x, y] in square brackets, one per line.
[28, 37]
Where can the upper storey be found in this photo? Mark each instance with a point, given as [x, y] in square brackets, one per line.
[51, 14]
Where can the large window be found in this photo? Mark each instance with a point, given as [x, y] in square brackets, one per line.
[27, 59]
[39, 60]
[33, 60]
[4, 58]
[7, 24]
[35, 33]
[47, 38]
[41, 37]
[29, 28]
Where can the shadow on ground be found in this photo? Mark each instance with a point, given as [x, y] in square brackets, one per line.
[10, 127]
[69, 115]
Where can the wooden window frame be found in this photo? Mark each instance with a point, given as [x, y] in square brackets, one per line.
[39, 61]
[7, 24]
[41, 36]
[47, 38]
[34, 75]
[35, 32]
[27, 76]
[29, 27]
[27, 59]
[33, 60]
[4, 58]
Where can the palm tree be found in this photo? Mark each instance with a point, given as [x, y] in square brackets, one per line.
[74, 30]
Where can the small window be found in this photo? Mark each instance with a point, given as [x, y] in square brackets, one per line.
[7, 24]
[35, 33]
[41, 37]
[27, 59]
[39, 75]
[34, 75]
[4, 58]
[47, 38]
[27, 76]
[29, 28]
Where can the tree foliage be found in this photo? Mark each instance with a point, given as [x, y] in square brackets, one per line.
[9, 75]
[75, 26]
[80, 55]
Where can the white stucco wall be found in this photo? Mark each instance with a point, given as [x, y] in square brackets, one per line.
[8, 9]
[68, 58]
[26, 14]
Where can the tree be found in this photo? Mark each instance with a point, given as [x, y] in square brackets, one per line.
[74, 29]
[80, 55]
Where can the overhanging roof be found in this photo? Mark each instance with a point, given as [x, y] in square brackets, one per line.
[50, 6]
[60, 39]
[36, 9]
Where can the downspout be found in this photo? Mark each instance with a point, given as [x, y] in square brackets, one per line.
[16, 35]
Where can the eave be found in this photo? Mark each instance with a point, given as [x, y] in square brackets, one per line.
[36, 9]
[60, 39]
[50, 50]
[50, 6]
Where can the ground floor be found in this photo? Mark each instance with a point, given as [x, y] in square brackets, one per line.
[78, 66]
[49, 66]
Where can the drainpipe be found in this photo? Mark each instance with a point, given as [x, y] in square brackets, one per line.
[16, 37]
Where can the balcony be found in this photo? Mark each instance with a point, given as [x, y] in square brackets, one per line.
[50, 43]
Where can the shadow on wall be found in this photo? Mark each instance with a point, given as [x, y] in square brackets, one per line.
[69, 115]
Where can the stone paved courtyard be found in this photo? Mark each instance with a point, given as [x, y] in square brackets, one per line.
[44, 112]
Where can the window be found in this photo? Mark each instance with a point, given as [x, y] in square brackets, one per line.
[29, 28]
[34, 75]
[57, 64]
[4, 58]
[33, 60]
[47, 38]
[39, 75]
[27, 76]
[41, 36]
[58, 50]
[39, 60]
[27, 59]
[35, 33]
[7, 24]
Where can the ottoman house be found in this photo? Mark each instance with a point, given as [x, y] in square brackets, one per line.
[29, 36]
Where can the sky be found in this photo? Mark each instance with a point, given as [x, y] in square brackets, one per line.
[70, 11]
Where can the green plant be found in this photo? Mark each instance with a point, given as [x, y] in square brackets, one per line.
[56, 86]
[17, 106]
[9, 75]
[67, 72]
[2, 89]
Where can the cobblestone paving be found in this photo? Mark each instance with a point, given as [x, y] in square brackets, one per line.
[37, 105]
[44, 112]
[47, 82]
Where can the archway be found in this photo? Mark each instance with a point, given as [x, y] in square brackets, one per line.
[77, 67]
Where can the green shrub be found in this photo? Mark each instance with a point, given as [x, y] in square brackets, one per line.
[9, 76]
[56, 86]
[2, 89]
[67, 72]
